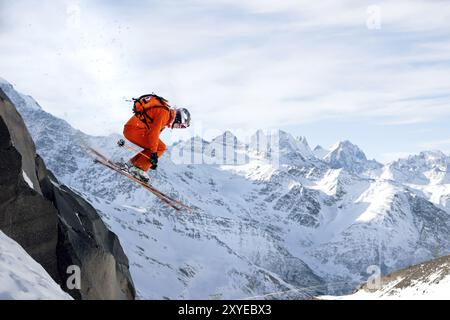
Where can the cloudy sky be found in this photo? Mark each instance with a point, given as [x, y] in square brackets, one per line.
[373, 72]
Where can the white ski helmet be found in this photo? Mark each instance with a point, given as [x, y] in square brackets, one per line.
[182, 118]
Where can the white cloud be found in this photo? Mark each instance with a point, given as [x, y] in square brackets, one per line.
[236, 64]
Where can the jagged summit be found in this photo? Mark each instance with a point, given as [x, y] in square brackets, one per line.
[320, 152]
[349, 156]
[291, 147]
[427, 167]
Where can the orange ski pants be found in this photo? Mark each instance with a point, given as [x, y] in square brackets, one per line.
[142, 137]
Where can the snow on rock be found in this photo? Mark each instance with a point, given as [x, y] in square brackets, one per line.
[17, 98]
[22, 278]
[27, 179]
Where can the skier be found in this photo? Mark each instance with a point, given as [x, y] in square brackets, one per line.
[152, 114]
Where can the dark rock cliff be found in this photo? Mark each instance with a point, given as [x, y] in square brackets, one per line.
[57, 227]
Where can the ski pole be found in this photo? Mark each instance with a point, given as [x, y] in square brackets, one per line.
[121, 143]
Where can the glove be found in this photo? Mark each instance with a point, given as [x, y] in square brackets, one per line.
[154, 161]
[121, 143]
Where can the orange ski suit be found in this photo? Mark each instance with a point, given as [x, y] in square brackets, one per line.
[137, 132]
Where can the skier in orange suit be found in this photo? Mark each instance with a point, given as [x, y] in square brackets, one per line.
[152, 114]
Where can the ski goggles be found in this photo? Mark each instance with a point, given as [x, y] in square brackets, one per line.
[180, 126]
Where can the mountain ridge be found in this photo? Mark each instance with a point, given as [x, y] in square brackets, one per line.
[306, 211]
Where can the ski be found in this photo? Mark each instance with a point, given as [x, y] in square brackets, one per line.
[118, 170]
[101, 159]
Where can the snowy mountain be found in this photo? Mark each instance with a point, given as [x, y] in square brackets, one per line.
[350, 157]
[296, 227]
[320, 152]
[427, 168]
[427, 172]
[430, 280]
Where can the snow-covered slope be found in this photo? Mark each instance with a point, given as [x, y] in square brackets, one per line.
[302, 224]
[429, 280]
[22, 278]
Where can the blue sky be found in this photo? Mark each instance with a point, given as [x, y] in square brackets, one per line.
[311, 68]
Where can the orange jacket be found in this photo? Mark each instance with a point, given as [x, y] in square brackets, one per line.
[137, 132]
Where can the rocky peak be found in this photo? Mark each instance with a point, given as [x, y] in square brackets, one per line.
[350, 157]
[427, 167]
[320, 152]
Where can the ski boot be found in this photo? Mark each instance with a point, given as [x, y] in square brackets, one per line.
[139, 174]
[134, 171]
